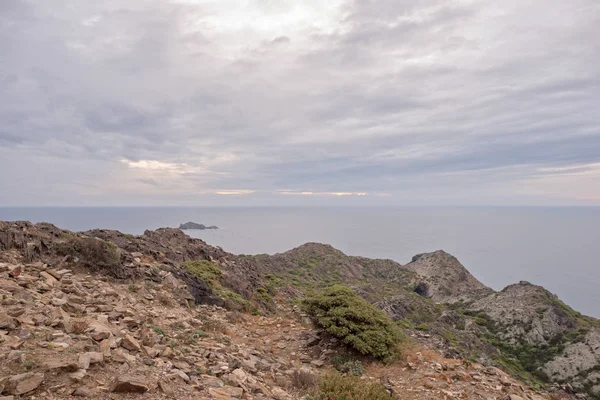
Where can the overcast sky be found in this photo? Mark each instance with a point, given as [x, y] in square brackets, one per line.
[232, 102]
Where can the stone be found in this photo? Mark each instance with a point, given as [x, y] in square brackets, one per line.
[100, 330]
[69, 365]
[49, 279]
[212, 381]
[105, 347]
[78, 375]
[152, 352]
[166, 387]
[179, 373]
[23, 383]
[317, 363]
[226, 392]
[280, 394]
[130, 343]
[7, 322]
[88, 358]
[15, 270]
[123, 357]
[513, 397]
[238, 377]
[129, 384]
[84, 392]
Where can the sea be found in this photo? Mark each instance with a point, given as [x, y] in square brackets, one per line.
[556, 247]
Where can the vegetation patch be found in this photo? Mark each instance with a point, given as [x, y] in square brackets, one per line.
[205, 271]
[94, 253]
[342, 313]
[334, 386]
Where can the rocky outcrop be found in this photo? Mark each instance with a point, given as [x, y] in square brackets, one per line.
[444, 279]
[527, 313]
[578, 363]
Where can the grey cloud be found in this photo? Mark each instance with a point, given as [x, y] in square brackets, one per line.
[395, 96]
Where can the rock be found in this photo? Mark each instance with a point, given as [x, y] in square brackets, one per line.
[179, 373]
[317, 363]
[226, 392]
[84, 392]
[86, 359]
[130, 343]
[123, 357]
[129, 384]
[7, 322]
[513, 397]
[280, 394]
[69, 365]
[212, 381]
[15, 270]
[166, 387]
[237, 377]
[23, 383]
[50, 280]
[78, 375]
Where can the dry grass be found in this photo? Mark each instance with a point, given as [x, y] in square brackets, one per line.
[333, 386]
[164, 299]
[304, 380]
[215, 326]
[235, 317]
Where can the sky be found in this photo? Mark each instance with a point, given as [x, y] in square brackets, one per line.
[275, 102]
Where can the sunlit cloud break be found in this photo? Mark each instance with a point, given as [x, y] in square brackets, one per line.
[155, 165]
[234, 192]
[303, 193]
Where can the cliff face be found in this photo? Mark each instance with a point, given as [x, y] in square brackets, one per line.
[523, 329]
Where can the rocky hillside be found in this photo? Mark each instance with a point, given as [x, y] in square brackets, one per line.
[101, 313]
[444, 279]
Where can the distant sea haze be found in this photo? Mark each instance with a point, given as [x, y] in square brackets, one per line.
[556, 247]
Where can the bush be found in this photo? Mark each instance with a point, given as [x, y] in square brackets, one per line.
[334, 386]
[355, 368]
[205, 271]
[93, 252]
[344, 314]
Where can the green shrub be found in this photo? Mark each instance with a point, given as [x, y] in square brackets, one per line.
[158, 330]
[423, 327]
[93, 252]
[204, 270]
[334, 386]
[342, 313]
[354, 367]
[347, 364]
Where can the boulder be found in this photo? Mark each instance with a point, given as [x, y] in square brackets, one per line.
[23, 383]
[130, 343]
[7, 322]
[130, 384]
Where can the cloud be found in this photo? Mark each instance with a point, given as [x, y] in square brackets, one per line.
[426, 101]
[295, 193]
[154, 165]
[234, 192]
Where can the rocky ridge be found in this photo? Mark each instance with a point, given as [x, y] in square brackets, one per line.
[99, 313]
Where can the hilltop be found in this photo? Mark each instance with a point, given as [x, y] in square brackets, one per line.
[98, 313]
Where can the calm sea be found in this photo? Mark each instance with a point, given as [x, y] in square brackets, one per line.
[556, 247]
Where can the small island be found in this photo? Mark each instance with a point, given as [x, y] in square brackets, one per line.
[193, 225]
